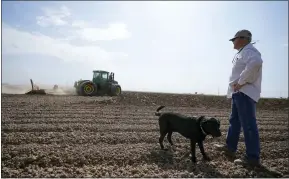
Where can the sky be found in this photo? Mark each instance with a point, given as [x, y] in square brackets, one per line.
[162, 46]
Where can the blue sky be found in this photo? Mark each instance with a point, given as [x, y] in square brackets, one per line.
[165, 46]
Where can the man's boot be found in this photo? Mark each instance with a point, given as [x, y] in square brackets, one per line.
[225, 150]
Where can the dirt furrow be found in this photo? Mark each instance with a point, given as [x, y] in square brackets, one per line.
[104, 127]
[74, 136]
[77, 137]
[118, 154]
[110, 120]
[127, 111]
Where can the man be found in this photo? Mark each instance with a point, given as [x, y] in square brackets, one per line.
[244, 89]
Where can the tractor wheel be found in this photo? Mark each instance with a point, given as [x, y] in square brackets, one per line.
[116, 90]
[88, 89]
[78, 92]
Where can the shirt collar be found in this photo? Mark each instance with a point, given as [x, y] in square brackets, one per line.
[246, 46]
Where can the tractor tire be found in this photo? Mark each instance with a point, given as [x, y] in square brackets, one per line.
[77, 92]
[116, 90]
[88, 88]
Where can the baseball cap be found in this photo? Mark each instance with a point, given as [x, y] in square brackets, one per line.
[242, 33]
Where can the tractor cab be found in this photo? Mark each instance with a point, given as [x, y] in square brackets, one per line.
[102, 76]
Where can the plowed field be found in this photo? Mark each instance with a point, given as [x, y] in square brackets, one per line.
[72, 136]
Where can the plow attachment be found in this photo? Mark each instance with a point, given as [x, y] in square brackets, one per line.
[35, 89]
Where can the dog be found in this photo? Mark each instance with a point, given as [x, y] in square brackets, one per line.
[194, 128]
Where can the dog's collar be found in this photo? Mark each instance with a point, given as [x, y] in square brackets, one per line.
[203, 131]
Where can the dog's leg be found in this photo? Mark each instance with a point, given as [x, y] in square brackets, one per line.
[161, 139]
[169, 137]
[201, 146]
[193, 151]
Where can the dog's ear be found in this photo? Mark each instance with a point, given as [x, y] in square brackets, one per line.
[201, 118]
[215, 120]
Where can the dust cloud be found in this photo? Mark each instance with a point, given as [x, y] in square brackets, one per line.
[22, 89]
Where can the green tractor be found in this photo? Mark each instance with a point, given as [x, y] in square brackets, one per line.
[102, 83]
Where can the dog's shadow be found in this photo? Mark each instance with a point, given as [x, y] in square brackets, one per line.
[172, 160]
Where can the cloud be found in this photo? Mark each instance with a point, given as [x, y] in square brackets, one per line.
[53, 17]
[117, 31]
[66, 46]
[82, 29]
[19, 42]
[80, 24]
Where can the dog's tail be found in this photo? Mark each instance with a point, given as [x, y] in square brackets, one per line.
[157, 113]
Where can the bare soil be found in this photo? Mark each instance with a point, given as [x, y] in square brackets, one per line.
[74, 136]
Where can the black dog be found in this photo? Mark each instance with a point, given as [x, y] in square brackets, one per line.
[193, 128]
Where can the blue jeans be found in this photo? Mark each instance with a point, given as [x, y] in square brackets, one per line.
[244, 115]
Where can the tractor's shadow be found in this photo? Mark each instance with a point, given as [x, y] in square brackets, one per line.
[174, 160]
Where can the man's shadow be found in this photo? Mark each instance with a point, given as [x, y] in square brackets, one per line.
[167, 160]
[257, 171]
[263, 172]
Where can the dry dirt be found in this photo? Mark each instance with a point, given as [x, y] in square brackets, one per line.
[73, 136]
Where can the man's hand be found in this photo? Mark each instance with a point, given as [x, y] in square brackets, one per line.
[237, 87]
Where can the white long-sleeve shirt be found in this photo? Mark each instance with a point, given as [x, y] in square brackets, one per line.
[247, 69]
